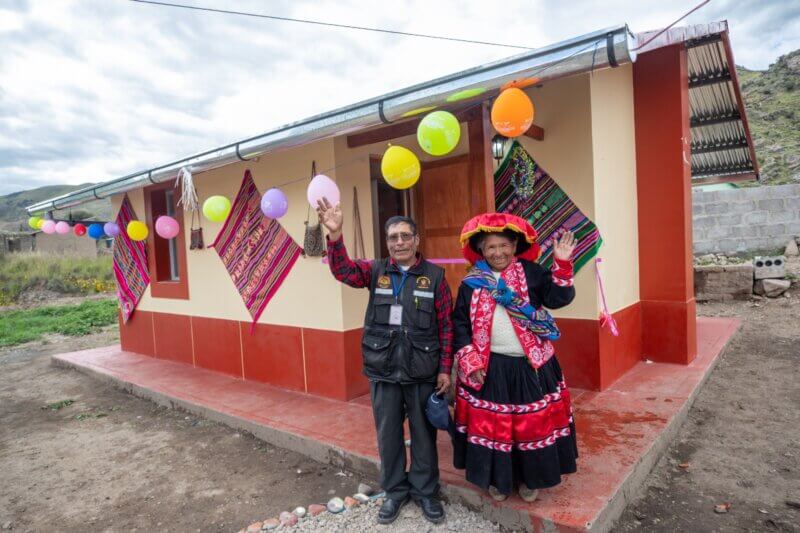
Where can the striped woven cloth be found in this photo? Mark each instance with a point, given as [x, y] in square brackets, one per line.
[523, 188]
[130, 263]
[256, 250]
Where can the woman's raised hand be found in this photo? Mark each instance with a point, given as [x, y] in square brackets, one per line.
[565, 246]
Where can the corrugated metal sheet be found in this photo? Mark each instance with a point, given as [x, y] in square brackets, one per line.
[719, 140]
[722, 149]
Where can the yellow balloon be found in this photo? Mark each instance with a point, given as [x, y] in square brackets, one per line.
[33, 222]
[137, 231]
[39, 223]
[400, 167]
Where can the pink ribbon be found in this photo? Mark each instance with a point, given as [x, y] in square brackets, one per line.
[447, 261]
[605, 317]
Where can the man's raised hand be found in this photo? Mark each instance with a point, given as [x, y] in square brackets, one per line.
[331, 217]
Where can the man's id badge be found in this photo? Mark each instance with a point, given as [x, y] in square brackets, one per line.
[396, 315]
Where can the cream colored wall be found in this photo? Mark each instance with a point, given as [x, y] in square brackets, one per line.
[563, 110]
[588, 150]
[615, 204]
[309, 296]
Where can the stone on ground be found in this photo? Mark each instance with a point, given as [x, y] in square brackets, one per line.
[314, 509]
[270, 524]
[335, 505]
[350, 502]
[771, 288]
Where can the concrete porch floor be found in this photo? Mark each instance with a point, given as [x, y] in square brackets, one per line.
[622, 431]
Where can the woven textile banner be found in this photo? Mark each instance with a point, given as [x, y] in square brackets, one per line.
[523, 188]
[130, 263]
[256, 250]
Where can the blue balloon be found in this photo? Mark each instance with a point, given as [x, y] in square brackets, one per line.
[96, 231]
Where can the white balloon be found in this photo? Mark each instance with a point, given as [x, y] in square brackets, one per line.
[322, 186]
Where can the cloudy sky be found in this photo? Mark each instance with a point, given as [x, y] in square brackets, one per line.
[94, 89]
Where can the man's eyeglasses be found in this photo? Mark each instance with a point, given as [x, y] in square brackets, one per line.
[394, 238]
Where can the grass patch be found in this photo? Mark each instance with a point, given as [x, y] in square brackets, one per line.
[59, 273]
[85, 416]
[55, 406]
[17, 327]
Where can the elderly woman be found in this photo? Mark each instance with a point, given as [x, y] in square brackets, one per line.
[513, 418]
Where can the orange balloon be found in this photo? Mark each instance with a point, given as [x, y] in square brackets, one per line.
[512, 113]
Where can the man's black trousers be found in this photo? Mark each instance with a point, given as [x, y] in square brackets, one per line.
[391, 403]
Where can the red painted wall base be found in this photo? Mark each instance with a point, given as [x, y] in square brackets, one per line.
[328, 363]
[320, 362]
[591, 357]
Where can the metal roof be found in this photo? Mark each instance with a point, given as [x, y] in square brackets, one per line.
[609, 47]
[721, 145]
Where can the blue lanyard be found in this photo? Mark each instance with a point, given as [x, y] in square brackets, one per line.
[396, 290]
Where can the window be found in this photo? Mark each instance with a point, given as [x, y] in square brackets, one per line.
[166, 257]
[174, 274]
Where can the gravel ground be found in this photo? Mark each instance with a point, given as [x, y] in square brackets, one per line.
[362, 518]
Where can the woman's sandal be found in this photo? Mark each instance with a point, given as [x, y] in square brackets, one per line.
[529, 495]
[496, 494]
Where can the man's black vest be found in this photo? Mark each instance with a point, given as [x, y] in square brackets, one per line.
[408, 352]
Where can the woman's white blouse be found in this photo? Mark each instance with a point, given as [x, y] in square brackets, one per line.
[504, 339]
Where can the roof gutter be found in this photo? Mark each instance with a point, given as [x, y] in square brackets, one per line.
[600, 49]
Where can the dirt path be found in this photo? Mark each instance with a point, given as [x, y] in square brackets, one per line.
[113, 462]
[742, 439]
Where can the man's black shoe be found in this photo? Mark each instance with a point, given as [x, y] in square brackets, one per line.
[432, 509]
[390, 510]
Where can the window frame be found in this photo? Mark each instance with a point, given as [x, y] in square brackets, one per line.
[158, 253]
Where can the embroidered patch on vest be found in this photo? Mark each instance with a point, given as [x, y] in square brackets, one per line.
[423, 282]
[384, 282]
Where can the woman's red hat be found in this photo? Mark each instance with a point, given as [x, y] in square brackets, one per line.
[527, 247]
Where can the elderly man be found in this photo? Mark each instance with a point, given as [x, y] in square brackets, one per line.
[407, 349]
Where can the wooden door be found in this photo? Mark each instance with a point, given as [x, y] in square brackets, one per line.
[444, 202]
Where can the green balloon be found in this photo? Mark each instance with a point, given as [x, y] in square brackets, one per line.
[438, 133]
[33, 222]
[217, 208]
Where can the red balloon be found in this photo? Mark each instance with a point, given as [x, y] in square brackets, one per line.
[79, 229]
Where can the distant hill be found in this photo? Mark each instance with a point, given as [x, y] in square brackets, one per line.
[772, 99]
[13, 216]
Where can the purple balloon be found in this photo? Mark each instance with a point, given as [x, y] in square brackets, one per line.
[274, 203]
[111, 229]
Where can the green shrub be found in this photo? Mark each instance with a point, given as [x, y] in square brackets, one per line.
[59, 273]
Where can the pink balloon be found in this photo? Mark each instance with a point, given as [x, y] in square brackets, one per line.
[49, 227]
[62, 227]
[167, 227]
[322, 186]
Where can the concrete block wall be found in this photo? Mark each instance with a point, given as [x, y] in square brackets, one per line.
[745, 220]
